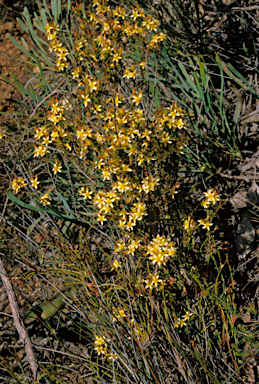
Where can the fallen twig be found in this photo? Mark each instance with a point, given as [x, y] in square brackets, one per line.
[18, 321]
[241, 177]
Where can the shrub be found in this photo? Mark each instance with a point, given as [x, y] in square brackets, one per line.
[103, 156]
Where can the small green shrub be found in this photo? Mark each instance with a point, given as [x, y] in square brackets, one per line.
[155, 298]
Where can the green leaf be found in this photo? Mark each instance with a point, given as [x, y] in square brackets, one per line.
[238, 106]
[31, 227]
[54, 10]
[239, 79]
[66, 226]
[45, 310]
[23, 90]
[39, 23]
[26, 15]
[22, 25]
[17, 44]
[157, 101]
[47, 9]
[59, 8]
[33, 93]
[204, 78]
[44, 18]
[64, 181]
[189, 80]
[52, 307]
[65, 203]
[48, 210]
[155, 94]
[68, 10]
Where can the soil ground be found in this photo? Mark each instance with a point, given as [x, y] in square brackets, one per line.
[9, 65]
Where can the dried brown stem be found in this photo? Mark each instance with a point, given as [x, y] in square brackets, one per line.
[241, 177]
[18, 321]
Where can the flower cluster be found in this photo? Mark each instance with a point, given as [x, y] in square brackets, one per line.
[160, 250]
[115, 137]
[56, 46]
[17, 184]
[211, 198]
[84, 191]
[205, 223]
[100, 345]
[41, 150]
[180, 322]
[153, 281]
[102, 348]
[189, 224]
[56, 113]
[118, 314]
[121, 140]
[45, 199]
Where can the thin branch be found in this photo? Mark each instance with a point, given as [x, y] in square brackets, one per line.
[18, 321]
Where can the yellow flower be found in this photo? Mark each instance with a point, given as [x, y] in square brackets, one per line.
[100, 345]
[76, 73]
[153, 281]
[187, 316]
[101, 218]
[60, 64]
[40, 151]
[135, 14]
[101, 349]
[92, 85]
[205, 203]
[46, 140]
[112, 356]
[136, 99]
[120, 246]
[149, 284]
[149, 183]
[130, 73]
[116, 264]
[84, 191]
[57, 168]
[131, 223]
[21, 182]
[35, 182]
[116, 57]
[207, 225]
[106, 175]
[205, 222]
[118, 314]
[45, 199]
[54, 135]
[161, 36]
[17, 184]
[182, 322]
[158, 258]
[212, 196]
[188, 224]
[160, 250]
[51, 35]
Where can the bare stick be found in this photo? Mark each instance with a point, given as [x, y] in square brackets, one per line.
[18, 321]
